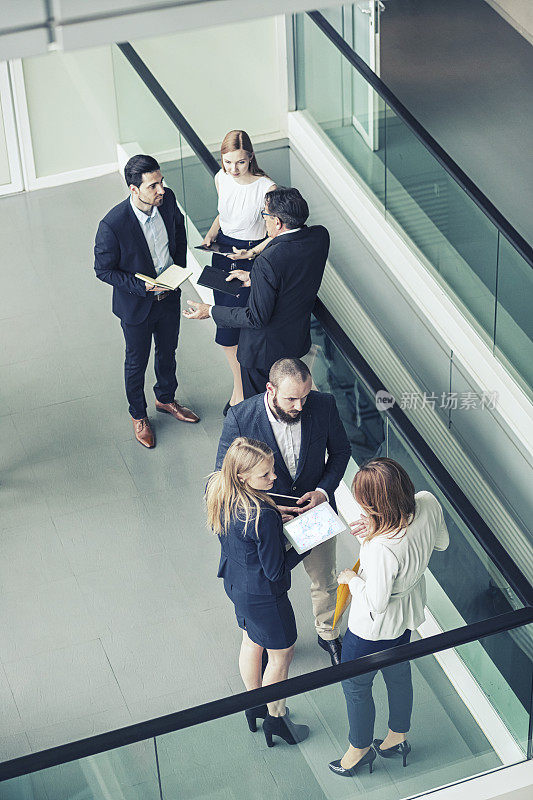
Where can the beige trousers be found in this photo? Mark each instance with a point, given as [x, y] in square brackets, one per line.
[321, 566]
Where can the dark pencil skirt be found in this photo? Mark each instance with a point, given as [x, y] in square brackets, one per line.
[228, 337]
[269, 621]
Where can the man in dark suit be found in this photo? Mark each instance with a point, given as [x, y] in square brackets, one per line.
[285, 280]
[146, 234]
[300, 426]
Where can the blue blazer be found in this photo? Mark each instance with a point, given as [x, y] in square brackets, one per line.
[322, 433]
[286, 278]
[121, 250]
[257, 565]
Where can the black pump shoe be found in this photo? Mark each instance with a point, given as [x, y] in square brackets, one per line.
[253, 714]
[403, 749]
[338, 769]
[285, 729]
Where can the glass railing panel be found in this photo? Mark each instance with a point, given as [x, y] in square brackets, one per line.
[447, 226]
[465, 586]
[140, 118]
[454, 735]
[349, 112]
[514, 319]
[126, 773]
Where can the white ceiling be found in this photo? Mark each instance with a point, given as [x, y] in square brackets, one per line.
[31, 27]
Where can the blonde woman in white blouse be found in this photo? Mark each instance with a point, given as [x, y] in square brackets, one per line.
[398, 535]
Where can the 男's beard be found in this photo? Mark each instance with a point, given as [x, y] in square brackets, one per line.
[282, 415]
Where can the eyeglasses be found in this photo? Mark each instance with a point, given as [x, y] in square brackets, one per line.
[266, 214]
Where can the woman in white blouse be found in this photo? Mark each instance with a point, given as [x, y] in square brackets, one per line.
[239, 226]
[398, 535]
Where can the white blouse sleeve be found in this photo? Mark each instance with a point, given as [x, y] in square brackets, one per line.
[442, 538]
[381, 568]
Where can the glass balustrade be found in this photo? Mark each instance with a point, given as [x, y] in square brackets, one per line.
[454, 736]
[486, 276]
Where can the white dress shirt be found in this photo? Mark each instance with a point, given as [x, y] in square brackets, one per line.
[389, 592]
[289, 440]
[156, 236]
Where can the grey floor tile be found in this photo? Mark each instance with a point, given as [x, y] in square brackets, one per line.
[31, 556]
[44, 618]
[166, 658]
[63, 684]
[25, 337]
[43, 381]
[143, 592]
[106, 536]
[23, 500]
[10, 719]
[13, 745]
[73, 427]
[83, 479]
[70, 730]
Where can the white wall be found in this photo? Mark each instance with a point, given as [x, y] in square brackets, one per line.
[519, 13]
[71, 109]
[222, 78]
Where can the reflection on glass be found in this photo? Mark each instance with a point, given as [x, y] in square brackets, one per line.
[514, 320]
[438, 216]
[331, 372]
[127, 773]
[345, 107]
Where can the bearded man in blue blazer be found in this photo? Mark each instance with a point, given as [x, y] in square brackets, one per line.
[146, 234]
[301, 427]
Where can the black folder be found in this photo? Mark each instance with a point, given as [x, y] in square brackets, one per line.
[214, 278]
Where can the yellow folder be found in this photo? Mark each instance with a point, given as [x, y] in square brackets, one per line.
[343, 597]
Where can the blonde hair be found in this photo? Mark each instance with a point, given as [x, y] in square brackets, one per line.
[386, 493]
[228, 495]
[239, 140]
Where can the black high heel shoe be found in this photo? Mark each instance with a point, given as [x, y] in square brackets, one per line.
[368, 758]
[253, 714]
[285, 729]
[403, 749]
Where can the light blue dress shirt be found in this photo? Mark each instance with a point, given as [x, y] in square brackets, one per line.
[156, 236]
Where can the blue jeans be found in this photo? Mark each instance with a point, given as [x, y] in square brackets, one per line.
[358, 690]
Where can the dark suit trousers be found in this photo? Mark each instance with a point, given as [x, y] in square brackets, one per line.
[254, 381]
[163, 323]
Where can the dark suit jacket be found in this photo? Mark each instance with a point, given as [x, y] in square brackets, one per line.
[322, 432]
[120, 250]
[286, 278]
[257, 565]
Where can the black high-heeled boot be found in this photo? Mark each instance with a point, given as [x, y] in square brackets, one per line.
[403, 749]
[285, 729]
[253, 714]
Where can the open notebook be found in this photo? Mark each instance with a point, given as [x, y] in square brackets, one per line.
[170, 278]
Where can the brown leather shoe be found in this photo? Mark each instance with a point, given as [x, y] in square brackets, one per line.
[178, 412]
[143, 432]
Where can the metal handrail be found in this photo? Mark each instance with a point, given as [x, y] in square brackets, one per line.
[445, 160]
[207, 712]
[438, 472]
[169, 107]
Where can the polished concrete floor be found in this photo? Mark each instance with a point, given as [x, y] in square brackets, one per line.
[467, 76]
[110, 611]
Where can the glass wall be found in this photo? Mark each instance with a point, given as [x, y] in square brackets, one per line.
[462, 248]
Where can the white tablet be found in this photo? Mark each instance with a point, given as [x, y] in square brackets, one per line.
[313, 527]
